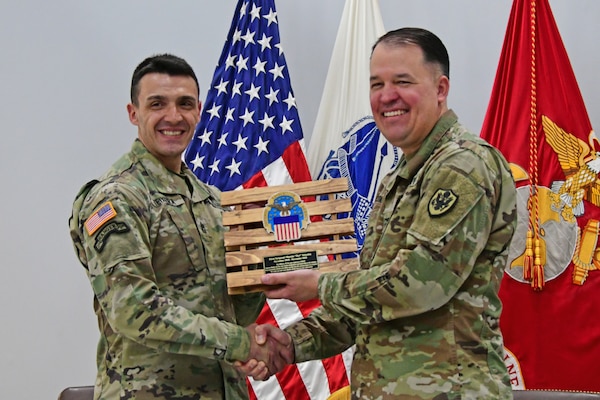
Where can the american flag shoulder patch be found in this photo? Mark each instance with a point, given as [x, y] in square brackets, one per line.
[104, 213]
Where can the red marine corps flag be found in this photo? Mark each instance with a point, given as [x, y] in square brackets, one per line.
[551, 286]
[250, 135]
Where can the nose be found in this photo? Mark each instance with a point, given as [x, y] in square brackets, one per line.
[172, 114]
[388, 94]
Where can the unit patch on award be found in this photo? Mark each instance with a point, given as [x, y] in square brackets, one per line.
[441, 202]
[285, 215]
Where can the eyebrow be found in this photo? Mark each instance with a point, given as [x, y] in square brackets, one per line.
[155, 97]
[396, 76]
[188, 98]
[162, 98]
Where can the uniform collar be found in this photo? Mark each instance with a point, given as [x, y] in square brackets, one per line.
[167, 181]
[408, 168]
[431, 142]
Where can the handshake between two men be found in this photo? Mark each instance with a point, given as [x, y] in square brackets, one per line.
[272, 348]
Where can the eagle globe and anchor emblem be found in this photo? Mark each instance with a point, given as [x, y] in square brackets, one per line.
[561, 240]
[285, 215]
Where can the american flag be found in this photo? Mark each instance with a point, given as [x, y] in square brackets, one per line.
[250, 135]
[250, 119]
[287, 228]
[105, 212]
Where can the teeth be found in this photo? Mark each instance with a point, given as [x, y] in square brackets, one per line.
[394, 113]
[171, 133]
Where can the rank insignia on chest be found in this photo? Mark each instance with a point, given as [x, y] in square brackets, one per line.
[441, 202]
[285, 215]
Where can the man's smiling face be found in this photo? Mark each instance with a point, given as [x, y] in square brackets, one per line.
[166, 115]
[408, 95]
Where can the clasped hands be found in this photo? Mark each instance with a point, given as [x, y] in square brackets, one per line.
[272, 348]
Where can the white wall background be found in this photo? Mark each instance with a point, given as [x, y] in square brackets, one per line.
[65, 70]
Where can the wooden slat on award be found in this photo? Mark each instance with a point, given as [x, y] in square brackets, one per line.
[248, 243]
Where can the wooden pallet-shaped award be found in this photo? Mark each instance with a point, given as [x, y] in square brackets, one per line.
[280, 228]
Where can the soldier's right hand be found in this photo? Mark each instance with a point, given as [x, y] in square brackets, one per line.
[270, 351]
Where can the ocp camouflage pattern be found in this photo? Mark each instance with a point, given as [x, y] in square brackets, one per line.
[424, 309]
[168, 327]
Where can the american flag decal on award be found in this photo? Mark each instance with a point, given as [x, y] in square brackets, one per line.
[285, 215]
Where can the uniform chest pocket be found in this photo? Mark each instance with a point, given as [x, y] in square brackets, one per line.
[189, 239]
[445, 205]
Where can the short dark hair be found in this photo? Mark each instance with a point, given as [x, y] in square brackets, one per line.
[434, 50]
[162, 64]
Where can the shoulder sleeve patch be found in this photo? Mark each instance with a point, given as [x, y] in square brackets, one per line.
[446, 201]
[103, 214]
[441, 202]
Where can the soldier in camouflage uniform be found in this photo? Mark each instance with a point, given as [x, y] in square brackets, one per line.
[423, 309]
[150, 236]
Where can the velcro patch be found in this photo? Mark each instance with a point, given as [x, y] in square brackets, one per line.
[103, 214]
[441, 202]
[113, 227]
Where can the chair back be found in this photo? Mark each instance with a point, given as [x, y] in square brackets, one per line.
[553, 395]
[77, 393]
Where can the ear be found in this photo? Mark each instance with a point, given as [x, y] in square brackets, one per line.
[132, 111]
[443, 88]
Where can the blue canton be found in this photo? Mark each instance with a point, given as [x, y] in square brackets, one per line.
[250, 115]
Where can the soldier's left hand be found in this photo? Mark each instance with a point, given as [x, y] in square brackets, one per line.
[299, 285]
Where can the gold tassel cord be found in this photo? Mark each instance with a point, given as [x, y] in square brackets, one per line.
[533, 270]
[528, 259]
[537, 283]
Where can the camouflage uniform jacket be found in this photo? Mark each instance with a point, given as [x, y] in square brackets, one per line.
[152, 243]
[424, 308]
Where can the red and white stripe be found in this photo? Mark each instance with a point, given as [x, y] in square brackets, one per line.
[289, 168]
[309, 380]
[312, 380]
[287, 232]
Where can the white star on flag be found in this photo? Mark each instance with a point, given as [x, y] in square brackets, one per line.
[250, 94]
[249, 135]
